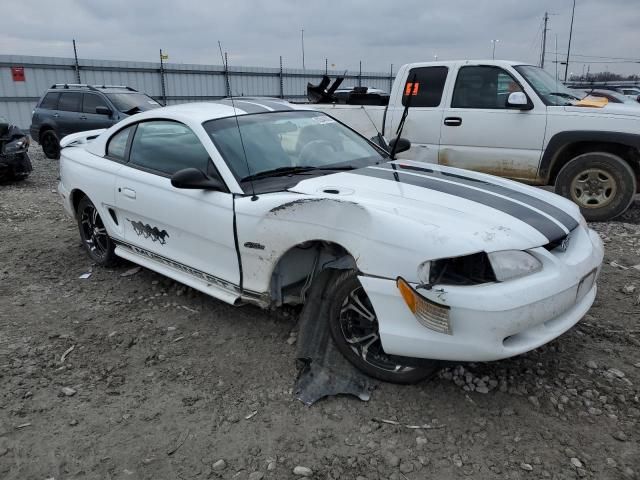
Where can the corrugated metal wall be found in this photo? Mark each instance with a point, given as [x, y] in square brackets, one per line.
[183, 82]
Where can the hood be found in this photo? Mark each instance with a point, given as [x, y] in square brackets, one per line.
[608, 109]
[470, 211]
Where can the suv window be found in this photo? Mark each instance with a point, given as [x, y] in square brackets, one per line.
[91, 101]
[483, 87]
[117, 146]
[50, 101]
[70, 101]
[167, 147]
[428, 86]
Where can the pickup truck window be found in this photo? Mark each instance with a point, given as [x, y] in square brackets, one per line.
[483, 87]
[430, 85]
[550, 90]
[166, 147]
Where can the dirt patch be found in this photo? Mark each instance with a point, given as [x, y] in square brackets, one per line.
[164, 382]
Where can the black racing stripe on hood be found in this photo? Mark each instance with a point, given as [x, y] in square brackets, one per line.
[563, 217]
[544, 225]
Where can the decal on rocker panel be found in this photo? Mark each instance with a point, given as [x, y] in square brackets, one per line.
[147, 231]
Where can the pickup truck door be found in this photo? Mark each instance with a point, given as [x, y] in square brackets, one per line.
[423, 123]
[191, 231]
[480, 133]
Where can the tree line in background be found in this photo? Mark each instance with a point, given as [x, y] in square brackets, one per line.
[604, 77]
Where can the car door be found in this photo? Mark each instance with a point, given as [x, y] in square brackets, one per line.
[187, 230]
[69, 111]
[90, 119]
[480, 133]
[422, 126]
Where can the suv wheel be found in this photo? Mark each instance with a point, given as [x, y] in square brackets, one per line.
[50, 144]
[601, 183]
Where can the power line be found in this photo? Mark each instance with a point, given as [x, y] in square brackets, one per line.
[601, 56]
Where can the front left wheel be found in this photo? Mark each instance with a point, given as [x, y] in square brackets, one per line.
[354, 327]
[93, 234]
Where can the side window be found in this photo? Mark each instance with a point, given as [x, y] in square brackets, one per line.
[50, 101]
[91, 101]
[427, 86]
[483, 87]
[166, 147]
[117, 146]
[70, 101]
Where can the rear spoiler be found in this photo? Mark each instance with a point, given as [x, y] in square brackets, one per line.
[80, 138]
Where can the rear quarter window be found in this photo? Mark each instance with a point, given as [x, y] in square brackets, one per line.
[425, 85]
[50, 101]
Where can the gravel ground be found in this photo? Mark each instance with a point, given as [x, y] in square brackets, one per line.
[136, 376]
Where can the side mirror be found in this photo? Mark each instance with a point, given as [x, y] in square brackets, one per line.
[638, 99]
[402, 144]
[103, 111]
[519, 101]
[196, 179]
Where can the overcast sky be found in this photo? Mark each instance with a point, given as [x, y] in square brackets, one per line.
[379, 33]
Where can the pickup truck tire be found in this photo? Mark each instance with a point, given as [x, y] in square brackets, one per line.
[354, 328]
[93, 234]
[600, 183]
[50, 144]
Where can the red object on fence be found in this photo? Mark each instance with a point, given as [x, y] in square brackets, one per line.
[18, 74]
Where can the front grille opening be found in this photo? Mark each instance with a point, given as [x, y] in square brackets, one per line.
[468, 270]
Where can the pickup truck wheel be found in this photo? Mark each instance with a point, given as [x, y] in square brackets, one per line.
[93, 234]
[50, 144]
[354, 328]
[601, 183]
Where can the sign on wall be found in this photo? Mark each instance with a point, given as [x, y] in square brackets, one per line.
[18, 74]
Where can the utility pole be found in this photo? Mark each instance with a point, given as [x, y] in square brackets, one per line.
[77, 67]
[303, 49]
[566, 67]
[544, 39]
[556, 62]
[162, 84]
[493, 53]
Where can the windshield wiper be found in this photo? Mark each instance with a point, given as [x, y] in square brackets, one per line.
[283, 171]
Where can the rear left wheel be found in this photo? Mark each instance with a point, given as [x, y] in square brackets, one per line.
[354, 328]
[93, 234]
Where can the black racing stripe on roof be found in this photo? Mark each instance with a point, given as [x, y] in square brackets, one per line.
[563, 217]
[544, 225]
[246, 107]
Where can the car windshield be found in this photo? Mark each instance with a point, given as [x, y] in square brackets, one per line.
[550, 90]
[132, 102]
[289, 142]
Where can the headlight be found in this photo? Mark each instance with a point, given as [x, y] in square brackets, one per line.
[510, 264]
[18, 145]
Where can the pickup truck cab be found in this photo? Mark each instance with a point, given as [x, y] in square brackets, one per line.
[513, 120]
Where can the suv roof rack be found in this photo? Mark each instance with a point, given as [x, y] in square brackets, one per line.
[90, 87]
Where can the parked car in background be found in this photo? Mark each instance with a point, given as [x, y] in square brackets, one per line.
[631, 92]
[513, 120]
[70, 108]
[14, 157]
[250, 201]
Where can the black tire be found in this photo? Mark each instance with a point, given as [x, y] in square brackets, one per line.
[50, 144]
[347, 323]
[93, 234]
[600, 183]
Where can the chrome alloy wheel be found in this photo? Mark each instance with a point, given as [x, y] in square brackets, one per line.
[94, 234]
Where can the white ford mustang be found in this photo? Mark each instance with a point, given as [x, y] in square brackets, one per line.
[249, 204]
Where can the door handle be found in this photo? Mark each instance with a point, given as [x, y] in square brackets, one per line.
[56, 115]
[127, 192]
[83, 117]
[453, 121]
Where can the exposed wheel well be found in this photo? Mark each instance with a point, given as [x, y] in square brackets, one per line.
[300, 265]
[76, 196]
[629, 154]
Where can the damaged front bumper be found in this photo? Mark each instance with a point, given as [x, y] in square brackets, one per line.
[15, 165]
[495, 320]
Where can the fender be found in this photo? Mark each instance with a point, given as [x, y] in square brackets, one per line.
[561, 140]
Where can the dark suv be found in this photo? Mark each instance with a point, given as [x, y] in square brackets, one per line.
[70, 108]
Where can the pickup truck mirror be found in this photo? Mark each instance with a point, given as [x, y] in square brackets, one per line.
[193, 178]
[518, 100]
[403, 144]
[103, 111]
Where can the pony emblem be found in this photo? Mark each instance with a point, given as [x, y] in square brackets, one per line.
[147, 231]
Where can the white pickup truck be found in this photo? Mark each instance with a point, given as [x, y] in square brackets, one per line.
[513, 120]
